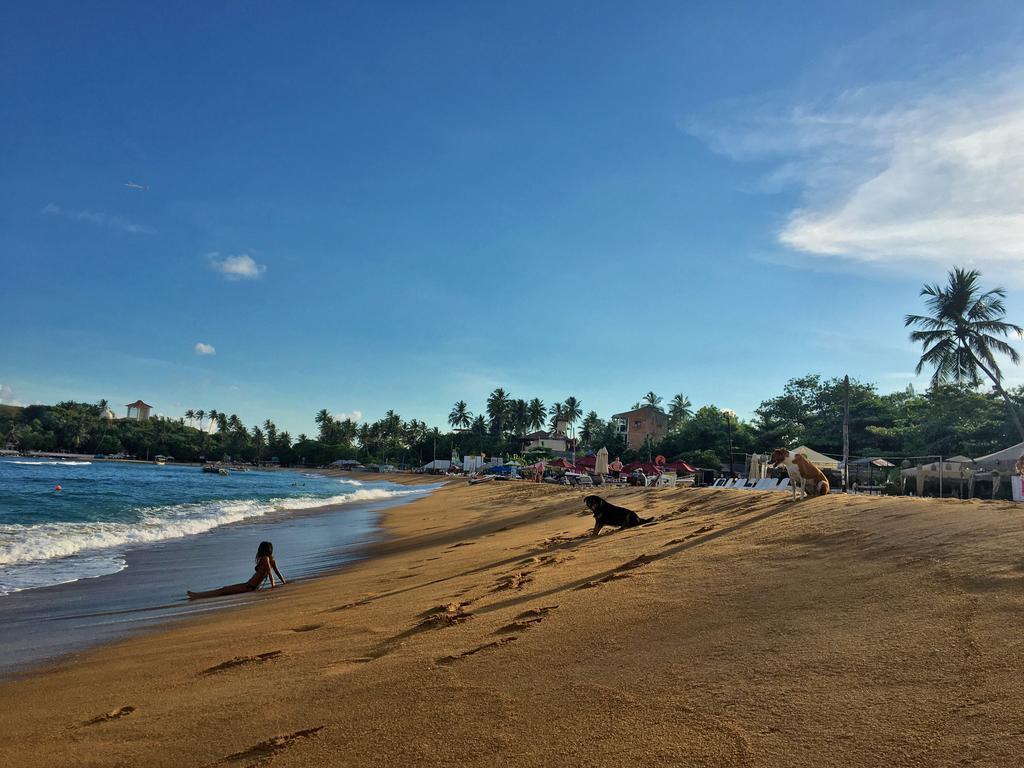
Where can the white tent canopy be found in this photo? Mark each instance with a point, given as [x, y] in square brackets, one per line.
[437, 464]
[820, 460]
[955, 465]
[1001, 461]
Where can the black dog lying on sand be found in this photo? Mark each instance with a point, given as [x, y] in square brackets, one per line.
[609, 514]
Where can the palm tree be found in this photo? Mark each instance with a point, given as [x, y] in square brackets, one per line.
[460, 417]
[271, 429]
[497, 410]
[222, 422]
[324, 421]
[519, 416]
[963, 332]
[190, 415]
[538, 413]
[200, 414]
[258, 442]
[572, 410]
[679, 410]
[557, 413]
[589, 430]
[652, 399]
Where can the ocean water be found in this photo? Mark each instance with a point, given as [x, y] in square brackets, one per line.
[107, 510]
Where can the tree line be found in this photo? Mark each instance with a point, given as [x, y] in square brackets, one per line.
[960, 337]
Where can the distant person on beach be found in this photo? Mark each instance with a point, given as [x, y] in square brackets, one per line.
[266, 567]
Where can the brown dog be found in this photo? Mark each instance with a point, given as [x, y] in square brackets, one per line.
[801, 473]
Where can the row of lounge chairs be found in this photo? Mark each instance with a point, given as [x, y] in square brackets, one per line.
[764, 484]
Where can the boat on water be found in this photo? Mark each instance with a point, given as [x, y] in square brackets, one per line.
[213, 469]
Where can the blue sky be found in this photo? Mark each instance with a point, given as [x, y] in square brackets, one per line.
[370, 206]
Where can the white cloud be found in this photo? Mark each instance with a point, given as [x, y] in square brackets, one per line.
[353, 416]
[7, 395]
[99, 219]
[204, 349]
[900, 174]
[240, 267]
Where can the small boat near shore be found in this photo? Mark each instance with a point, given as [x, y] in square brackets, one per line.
[213, 469]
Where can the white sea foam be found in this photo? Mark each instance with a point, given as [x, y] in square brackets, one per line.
[53, 463]
[22, 544]
[49, 573]
[363, 494]
[346, 481]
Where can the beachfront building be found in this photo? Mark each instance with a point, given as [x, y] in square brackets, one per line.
[637, 425]
[557, 442]
[142, 411]
[553, 441]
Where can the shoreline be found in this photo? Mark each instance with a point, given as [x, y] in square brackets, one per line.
[738, 628]
[43, 626]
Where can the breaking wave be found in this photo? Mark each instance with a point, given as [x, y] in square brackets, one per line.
[52, 553]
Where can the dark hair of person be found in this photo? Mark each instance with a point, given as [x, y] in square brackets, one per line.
[266, 550]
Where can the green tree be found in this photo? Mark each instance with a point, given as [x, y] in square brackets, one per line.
[460, 417]
[538, 413]
[679, 410]
[572, 409]
[591, 429]
[963, 333]
[557, 413]
[652, 399]
[497, 410]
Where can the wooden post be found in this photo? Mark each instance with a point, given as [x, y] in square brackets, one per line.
[846, 434]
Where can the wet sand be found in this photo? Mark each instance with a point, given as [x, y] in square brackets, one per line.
[489, 629]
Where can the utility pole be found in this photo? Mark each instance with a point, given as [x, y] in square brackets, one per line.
[729, 414]
[846, 434]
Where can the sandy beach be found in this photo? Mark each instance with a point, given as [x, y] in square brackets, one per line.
[490, 629]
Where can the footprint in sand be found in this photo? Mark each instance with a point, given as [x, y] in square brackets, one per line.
[515, 581]
[347, 606]
[114, 714]
[691, 535]
[526, 619]
[478, 649]
[447, 616]
[610, 577]
[450, 607]
[618, 572]
[636, 562]
[306, 628]
[240, 661]
[547, 560]
[267, 749]
[462, 544]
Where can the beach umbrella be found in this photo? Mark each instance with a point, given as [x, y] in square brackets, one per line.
[601, 465]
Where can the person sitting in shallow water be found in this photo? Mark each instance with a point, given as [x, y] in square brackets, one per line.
[266, 567]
